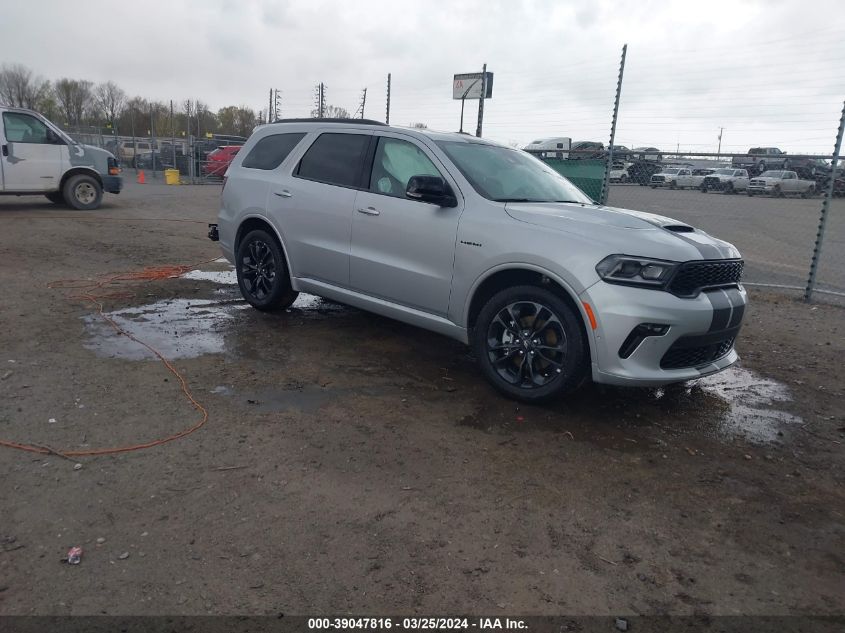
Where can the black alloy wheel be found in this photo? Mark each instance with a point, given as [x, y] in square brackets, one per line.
[262, 274]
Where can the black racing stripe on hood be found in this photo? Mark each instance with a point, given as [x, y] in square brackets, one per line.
[707, 251]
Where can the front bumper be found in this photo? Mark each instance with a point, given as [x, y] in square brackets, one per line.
[112, 184]
[701, 323]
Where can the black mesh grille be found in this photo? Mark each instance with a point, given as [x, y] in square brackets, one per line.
[694, 276]
[678, 356]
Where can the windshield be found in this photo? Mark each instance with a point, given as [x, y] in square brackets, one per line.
[508, 175]
[772, 174]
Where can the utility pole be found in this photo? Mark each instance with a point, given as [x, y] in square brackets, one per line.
[719, 149]
[270, 108]
[481, 100]
[363, 104]
[606, 183]
[387, 116]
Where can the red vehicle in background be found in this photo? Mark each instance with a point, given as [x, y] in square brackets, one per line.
[218, 161]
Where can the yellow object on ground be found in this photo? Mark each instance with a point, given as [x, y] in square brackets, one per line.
[171, 176]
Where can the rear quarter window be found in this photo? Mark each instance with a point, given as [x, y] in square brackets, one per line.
[335, 159]
[270, 151]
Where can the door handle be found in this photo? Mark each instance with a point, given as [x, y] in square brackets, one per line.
[283, 194]
[369, 211]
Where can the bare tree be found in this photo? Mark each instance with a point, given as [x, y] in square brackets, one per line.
[110, 100]
[20, 88]
[75, 99]
[333, 112]
[419, 126]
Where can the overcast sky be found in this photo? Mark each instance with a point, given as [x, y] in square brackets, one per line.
[770, 73]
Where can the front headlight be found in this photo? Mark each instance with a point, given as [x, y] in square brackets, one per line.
[636, 271]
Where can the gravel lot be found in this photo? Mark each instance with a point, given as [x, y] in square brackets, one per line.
[775, 235]
[354, 464]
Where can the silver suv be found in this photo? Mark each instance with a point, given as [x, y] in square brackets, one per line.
[481, 243]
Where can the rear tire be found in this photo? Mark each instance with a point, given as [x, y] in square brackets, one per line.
[83, 192]
[263, 276]
[530, 344]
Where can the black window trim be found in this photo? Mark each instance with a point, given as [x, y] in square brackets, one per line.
[282, 162]
[371, 157]
[360, 186]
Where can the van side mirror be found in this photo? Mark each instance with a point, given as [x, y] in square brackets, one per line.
[430, 189]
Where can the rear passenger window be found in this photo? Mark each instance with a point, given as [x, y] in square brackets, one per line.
[335, 159]
[270, 151]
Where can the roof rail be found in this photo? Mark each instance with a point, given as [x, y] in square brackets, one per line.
[331, 120]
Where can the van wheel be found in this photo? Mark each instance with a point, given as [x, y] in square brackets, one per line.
[55, 197]
[262, 274]
[83, 192]
[530, 344]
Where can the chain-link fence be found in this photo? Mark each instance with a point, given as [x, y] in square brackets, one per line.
[198, 160]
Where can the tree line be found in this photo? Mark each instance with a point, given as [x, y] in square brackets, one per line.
[77, 103]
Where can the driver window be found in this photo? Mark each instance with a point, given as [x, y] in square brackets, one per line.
[395, 163]
[23, 128]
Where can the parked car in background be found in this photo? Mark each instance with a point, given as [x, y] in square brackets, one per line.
[39, 159]
[726, 179]
[809, 168]
[647, 153]
[641, 172]
[586, 150]
[676, 178]
[129, 150]
[759, 159]
[619, 173]
[781, 183]
[155, 160]
[481, 243]
[557, 147]
[219, 160]
[620, 152]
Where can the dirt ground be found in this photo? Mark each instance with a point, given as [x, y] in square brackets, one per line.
[352, 464]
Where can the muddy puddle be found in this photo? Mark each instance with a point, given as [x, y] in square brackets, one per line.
[735, 404]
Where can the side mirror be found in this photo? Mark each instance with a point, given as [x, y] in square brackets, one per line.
[431, 189]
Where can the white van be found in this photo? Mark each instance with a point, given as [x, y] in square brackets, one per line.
[38, 158]
[557, 147]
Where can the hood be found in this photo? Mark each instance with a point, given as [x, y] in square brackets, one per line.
[628, 232]
[89, 156]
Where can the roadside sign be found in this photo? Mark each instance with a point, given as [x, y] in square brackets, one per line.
[468, 86]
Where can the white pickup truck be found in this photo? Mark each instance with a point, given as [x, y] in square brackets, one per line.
[781, 183]
[726, 179]
[679, 178]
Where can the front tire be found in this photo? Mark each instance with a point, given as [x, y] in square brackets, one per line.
[530, 344]
[262, 273]
[83, 192]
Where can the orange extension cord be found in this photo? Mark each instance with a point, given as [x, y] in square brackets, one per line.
[88, 291]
